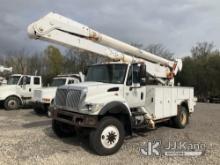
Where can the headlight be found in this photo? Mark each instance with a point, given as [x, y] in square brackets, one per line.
[94, 107]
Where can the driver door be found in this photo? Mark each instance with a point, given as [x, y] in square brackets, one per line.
[134, 93]
[25, 90]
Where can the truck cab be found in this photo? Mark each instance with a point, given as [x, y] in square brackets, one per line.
[19, 90]
[43, 97]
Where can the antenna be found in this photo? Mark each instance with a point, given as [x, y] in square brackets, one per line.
[35, 73]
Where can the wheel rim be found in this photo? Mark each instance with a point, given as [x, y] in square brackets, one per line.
[110, 136]
[12, 104]
[183, 118]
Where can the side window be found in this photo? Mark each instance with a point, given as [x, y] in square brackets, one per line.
[25, 80]
[21, 81]
[71, 82]
[135, 75]
[28, 80]
[36, 81]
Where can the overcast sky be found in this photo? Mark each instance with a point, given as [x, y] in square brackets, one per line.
[177, 24]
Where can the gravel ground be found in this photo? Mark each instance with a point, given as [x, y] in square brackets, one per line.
[26, 138]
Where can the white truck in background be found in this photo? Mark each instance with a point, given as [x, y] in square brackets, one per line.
[19, 90]
[136, 90]
[43, 97]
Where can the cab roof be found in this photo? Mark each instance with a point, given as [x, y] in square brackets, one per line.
[24, 75]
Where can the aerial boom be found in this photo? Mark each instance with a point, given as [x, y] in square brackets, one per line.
[3, 69]
[61, 30]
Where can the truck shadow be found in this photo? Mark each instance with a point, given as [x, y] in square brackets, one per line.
[75, 140]
[1, 105]
[145, 132]
[37, 124]
[31, 113]
[24, 107]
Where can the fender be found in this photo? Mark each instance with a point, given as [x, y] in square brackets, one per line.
[184, 103]
[116, 107]
[121, 108]
[5, 96]
[15, 95]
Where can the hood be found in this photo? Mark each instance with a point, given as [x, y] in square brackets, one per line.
[48, 89]
[7, 88]
[96, 91]
[47, 92]
[90, 84]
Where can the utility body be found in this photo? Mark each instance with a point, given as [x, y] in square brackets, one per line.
[136, 90]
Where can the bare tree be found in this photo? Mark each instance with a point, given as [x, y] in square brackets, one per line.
[160, 50]
[202, 49]
[18, 60]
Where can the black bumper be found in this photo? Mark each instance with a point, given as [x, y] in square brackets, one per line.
[73, 118]
[40, 105]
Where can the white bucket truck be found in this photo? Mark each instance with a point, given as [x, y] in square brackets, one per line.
[134, 91]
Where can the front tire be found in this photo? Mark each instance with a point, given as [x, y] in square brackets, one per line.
[12, 103]
[182, 118]
[41, 110]
[108, 137]
[62, 129]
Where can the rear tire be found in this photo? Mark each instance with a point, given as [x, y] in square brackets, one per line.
[62, 129]
[108, 137]
[182, 118]
[12, 103]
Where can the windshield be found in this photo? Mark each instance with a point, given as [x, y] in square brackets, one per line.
[108, 73]
[58, 82]
[13, 80]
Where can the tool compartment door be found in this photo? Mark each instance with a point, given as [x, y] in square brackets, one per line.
[160, 101]
[167, 102]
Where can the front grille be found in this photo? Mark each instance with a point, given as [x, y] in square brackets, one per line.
[60, 98]
[73, 98]
[68, 98]
[37, 94]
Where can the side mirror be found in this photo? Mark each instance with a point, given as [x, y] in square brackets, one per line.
[143, 74]
[85, 71]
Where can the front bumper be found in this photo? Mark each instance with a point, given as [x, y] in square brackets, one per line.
[40, 104]
[73, 118]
